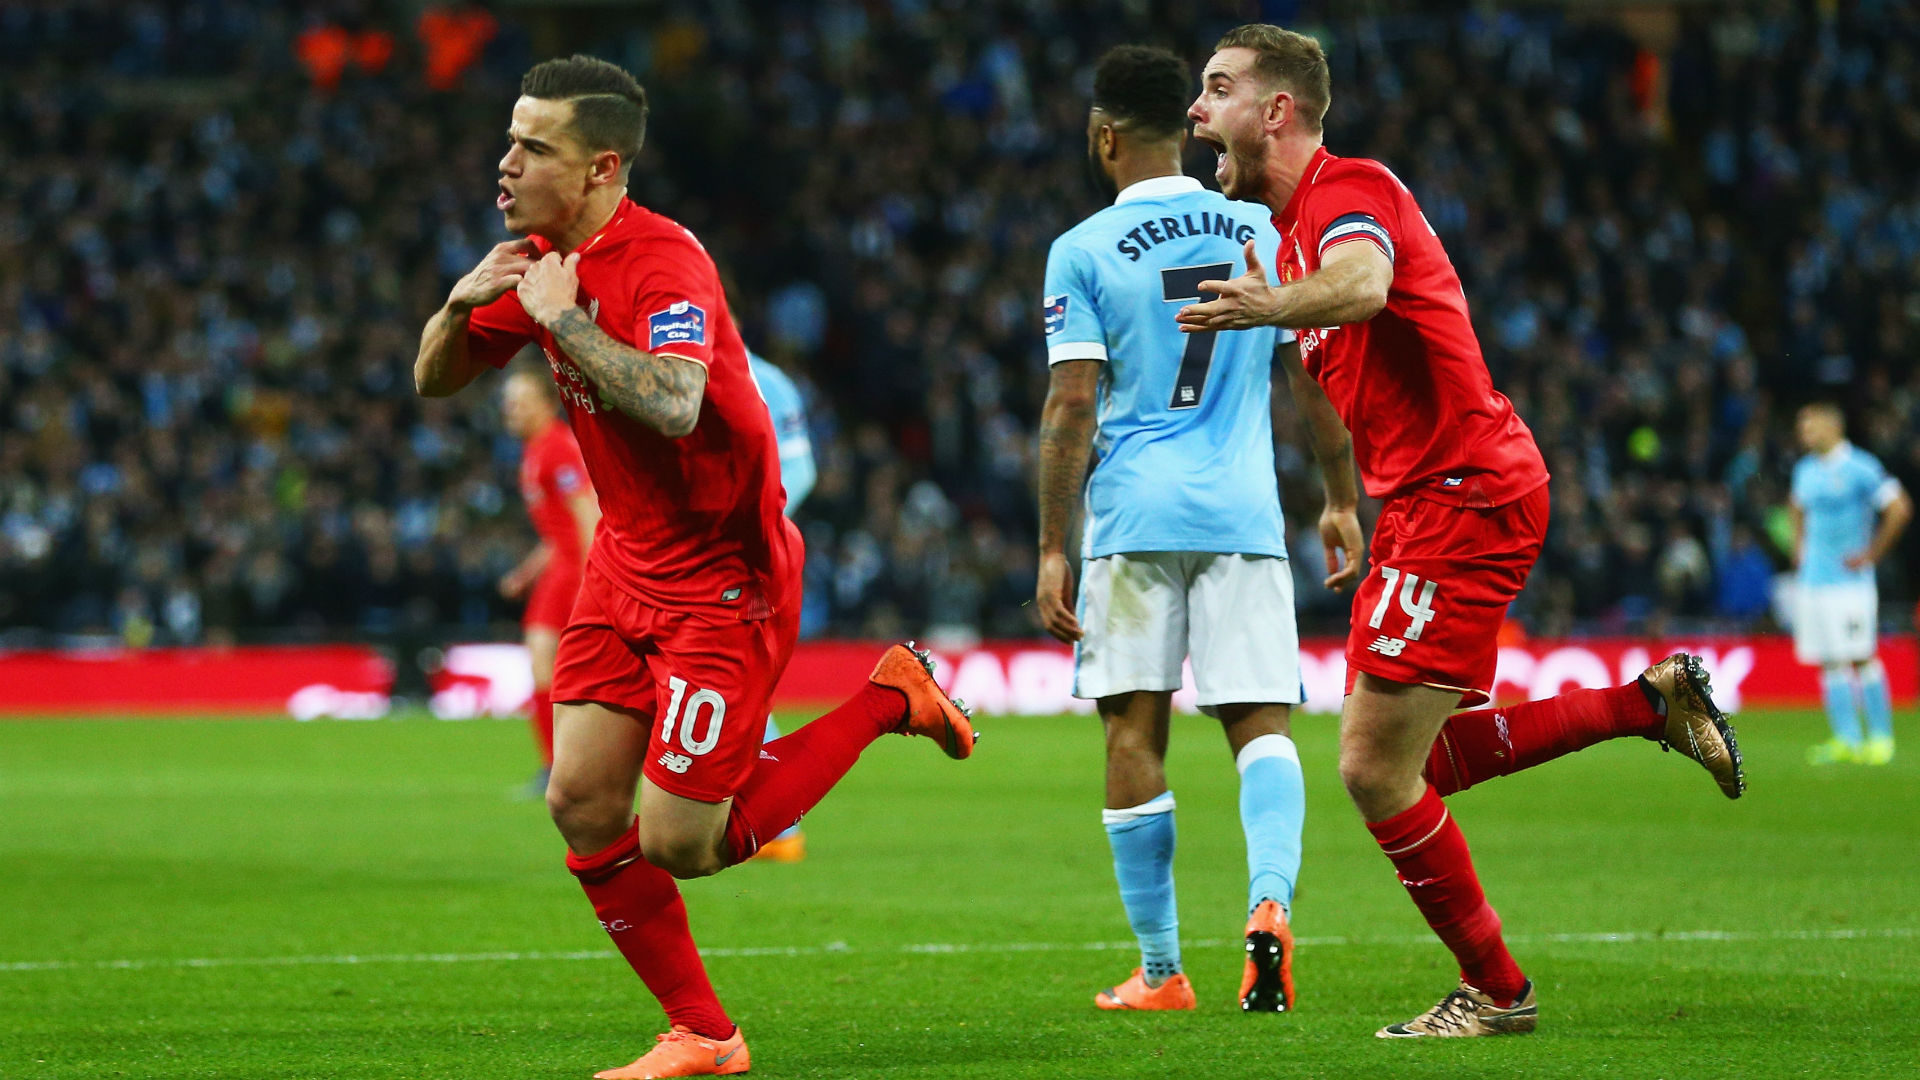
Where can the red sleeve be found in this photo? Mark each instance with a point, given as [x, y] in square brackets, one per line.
[566, 469]
[1354, 203]
[496, 332]
[676, 299]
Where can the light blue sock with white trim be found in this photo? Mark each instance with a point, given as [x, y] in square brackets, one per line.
[1876, 699]
[1273, 807]
[1836, 686]
[1142, 841]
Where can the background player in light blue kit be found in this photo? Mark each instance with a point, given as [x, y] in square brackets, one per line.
[1185, 547]
[797, 474]
[1847, 514]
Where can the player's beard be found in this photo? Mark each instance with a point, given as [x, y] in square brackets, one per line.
[1246, 181]
[1102, 183]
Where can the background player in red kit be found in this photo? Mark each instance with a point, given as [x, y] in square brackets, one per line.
[689, 605]
[1383, 327]
[564, 511]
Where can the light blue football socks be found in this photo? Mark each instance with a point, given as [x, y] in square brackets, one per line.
[1142, 839]
[1273, 806]
[1836, 686]
[1876, 700]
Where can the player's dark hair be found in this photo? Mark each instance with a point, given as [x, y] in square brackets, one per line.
[1287, 61]
[1143, 87]
[609, 105]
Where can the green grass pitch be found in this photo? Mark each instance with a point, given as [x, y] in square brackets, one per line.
[181, 899]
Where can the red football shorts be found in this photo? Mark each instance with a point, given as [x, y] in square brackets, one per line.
[550, 604]
[1430, 608]
[702, 683]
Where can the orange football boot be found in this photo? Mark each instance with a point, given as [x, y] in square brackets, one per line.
[787, 849]
[1175, 993]
[929, 711]
[1267, 985]
[682, 1053]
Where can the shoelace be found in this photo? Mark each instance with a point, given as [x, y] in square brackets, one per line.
[1453, 1012]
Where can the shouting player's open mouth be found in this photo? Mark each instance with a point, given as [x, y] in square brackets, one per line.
[1219, 146]
[505, 201]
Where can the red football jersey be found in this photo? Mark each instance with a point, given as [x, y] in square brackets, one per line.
[551, 474]
[1410, 382]
[688, 522]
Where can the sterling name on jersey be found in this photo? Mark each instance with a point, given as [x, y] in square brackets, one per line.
[1185, 439]
[1840, 495]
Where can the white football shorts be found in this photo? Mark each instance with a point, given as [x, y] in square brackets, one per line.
[1143, 613]
[1836, 624]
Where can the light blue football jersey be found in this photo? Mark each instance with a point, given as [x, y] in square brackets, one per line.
[797, 472]
[1840, 495]
[1185, 439]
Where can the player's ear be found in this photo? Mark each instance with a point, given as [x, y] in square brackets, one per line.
[605, 168]
[1280, 108]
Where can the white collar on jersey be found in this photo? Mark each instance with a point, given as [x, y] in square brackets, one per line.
[1155, 186]
[1838, 454]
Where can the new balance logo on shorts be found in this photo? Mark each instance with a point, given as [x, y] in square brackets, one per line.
[677, 762]
[1387, 646]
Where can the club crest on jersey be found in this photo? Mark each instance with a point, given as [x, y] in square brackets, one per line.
[682, 323]
[1292, 269]
[1055, 308]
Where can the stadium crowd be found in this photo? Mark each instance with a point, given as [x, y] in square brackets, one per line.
[215, 259]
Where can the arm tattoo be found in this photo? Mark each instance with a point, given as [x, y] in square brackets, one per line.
[1066, 441]
[662, 392]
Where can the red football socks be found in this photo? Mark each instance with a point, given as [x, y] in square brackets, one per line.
[640, 907]
[1433, 862]
[796, 771]
[540, 718]
[1485, 743]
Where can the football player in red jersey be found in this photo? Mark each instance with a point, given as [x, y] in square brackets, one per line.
[1383, 327]
[689, 604]
[564, 511]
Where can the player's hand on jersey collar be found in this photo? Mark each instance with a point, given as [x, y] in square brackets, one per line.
[499, 271]
[550, 287]
[1244, 303]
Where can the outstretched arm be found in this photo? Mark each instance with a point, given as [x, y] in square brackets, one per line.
[1350, 286]
[1066, 441]
[515, 583]
[1333, 449]
[659, 390]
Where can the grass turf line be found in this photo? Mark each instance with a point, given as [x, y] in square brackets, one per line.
[169, 841]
